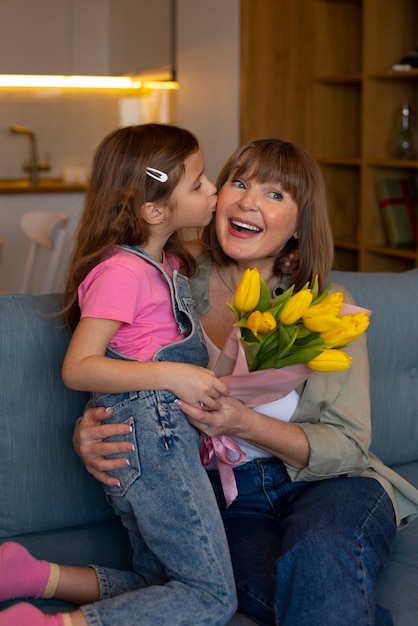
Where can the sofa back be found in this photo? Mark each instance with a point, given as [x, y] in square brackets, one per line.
[43, 483]
[393, 354]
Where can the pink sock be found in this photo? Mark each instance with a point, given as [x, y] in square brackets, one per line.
[21, 575]
[24, 614]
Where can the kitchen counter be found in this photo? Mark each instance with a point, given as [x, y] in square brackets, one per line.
[45, 185]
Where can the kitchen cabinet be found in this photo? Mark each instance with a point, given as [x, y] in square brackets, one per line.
[92, 37]
[142, 37]
[34, 37]
[53, 37]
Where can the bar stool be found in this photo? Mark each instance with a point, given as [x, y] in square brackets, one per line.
[44, 229]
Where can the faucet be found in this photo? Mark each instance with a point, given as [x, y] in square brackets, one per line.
[34, 166]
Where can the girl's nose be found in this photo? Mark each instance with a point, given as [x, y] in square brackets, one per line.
[213, 189]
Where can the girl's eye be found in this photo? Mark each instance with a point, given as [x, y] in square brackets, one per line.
[198, 186]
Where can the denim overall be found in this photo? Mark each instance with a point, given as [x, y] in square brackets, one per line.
[183, 574]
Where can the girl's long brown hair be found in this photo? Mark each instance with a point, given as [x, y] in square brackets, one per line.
[274, 160]
[119, 186]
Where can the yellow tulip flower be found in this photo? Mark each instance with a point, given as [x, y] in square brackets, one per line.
[351, 326]
[247, 294]
[260, 323]
[296, 307]
[323, 316]
[330, 361]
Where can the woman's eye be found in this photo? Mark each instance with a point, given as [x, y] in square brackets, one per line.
[238, 184]
[276, 195]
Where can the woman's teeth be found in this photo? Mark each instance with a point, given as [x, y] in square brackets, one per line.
[241, 226]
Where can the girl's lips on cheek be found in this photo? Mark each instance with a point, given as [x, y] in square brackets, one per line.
[242, 229]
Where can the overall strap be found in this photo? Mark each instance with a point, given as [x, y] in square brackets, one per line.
[182, 321]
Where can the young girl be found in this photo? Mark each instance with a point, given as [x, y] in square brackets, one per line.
[138, 346]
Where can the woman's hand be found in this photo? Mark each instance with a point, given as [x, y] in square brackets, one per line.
[88, 440]
[282, 439]
[231, 418]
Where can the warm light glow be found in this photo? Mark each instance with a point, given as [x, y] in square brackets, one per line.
[82, 82]
[157, 84]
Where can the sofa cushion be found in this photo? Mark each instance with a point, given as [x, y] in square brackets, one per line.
[44, 484]
[393, 363]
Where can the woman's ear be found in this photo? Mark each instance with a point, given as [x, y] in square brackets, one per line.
[153, 213]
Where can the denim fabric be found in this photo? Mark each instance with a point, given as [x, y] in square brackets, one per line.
[165, 500]
[307, 553]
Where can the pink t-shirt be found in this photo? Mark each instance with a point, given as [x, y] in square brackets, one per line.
[126, 288]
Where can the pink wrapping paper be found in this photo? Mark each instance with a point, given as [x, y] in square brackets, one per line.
[260, 387]
[253, 389]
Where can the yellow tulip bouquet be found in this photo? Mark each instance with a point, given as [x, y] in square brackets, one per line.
[295, 333]
[297, 328]
[275, 346]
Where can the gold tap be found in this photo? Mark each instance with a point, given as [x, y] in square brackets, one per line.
[34, 166]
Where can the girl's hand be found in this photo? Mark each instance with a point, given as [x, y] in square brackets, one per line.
[231, 418]
[195, 385]
[88, 440]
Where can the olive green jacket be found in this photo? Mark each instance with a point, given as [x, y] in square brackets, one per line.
[334, 413]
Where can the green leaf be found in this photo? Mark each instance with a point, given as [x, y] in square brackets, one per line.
[251, 354]
[322, 295]
[264, 303]
[233, 308]
[300, 356]
[248, 336]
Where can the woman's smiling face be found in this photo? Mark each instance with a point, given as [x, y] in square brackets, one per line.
[254, 220]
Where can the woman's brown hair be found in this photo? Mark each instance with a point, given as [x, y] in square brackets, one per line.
[274, 160]
[119, 186]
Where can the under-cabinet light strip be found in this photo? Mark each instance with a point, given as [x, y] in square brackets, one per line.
[83, 82]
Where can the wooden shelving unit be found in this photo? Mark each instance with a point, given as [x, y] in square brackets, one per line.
[355, 100]
[325, 82]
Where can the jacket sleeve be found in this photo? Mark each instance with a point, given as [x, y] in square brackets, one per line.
[334, 413]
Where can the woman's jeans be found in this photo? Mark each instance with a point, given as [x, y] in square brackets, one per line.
[309, 553]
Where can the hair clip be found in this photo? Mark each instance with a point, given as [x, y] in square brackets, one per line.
[162, 177]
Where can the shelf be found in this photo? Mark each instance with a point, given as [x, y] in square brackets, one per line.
[391, 163]
[356, 162]
[339, 79]
[356, 98]
[346, 244]
[402, 253]
[391, 75]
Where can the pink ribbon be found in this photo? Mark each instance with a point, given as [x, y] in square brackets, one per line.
[219, 447]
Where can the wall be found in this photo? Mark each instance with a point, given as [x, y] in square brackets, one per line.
[68, 124]
[208, 51]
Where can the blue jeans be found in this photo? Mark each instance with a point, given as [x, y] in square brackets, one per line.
[308, 553]
[181, 558]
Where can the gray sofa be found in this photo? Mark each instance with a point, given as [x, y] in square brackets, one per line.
[53, 506]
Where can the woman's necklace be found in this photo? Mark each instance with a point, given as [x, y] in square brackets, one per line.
[224, 281]
[275, 291]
